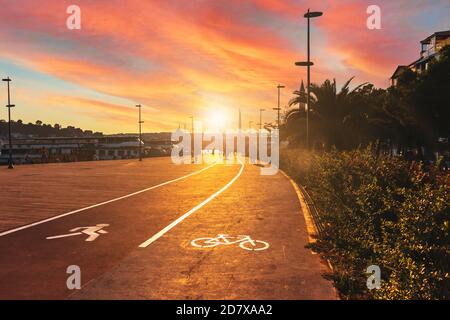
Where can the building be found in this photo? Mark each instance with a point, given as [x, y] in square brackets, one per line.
[118, 147]
[430, 48]
[65, 149]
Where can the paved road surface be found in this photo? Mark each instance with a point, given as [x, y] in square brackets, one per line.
[35, 192]
[147, 251]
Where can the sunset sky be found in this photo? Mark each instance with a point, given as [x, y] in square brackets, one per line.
[179, 58]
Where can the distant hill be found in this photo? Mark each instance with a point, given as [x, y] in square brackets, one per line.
[40, 129]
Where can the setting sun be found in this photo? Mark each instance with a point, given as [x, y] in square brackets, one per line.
[217, 119]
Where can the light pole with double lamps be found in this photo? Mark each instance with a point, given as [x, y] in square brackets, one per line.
[308, 15]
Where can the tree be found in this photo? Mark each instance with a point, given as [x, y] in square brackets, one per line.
[418, 108]
[414, 113]
[331, 113]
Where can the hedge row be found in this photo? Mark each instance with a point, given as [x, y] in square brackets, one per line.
[379, 210]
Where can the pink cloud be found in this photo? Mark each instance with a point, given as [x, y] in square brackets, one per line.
[172, 55]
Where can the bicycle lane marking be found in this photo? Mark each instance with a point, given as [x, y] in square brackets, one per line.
[187, 214]
[102, 203]
[223, 239]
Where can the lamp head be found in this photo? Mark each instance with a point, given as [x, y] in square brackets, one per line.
[304, 63]
[313, 14]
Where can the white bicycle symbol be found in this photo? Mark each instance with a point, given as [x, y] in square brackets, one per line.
[245, 242]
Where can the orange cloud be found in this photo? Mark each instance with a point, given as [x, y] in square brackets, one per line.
[174, 56]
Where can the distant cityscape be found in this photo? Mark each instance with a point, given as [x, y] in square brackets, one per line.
[42, 143]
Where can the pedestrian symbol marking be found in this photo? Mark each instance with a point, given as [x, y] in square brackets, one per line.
[245, 242]
[93, 232]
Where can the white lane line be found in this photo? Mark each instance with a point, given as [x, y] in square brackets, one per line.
[64, 236]
[187, 214]
[102, 203]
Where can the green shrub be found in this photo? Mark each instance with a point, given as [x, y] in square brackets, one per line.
[378, 210]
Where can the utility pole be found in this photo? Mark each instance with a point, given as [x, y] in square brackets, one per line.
[278, 109]
[9, 106]
[140, 132]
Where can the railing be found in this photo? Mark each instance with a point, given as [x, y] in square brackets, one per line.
[428, 52]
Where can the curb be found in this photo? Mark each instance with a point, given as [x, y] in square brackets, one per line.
[307, 207]
[311, 227]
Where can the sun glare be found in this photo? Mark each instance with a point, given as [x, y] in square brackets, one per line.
[217, 120]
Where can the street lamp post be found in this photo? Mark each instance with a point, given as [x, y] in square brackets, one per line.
[140, 132]
[308, 15]
[240, 120]
[192, 123]
[9, 106]
[192, 138]
[250, 125]
[278, 109]
[260, 118]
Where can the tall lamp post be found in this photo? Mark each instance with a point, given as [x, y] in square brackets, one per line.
[278, 109]
[250, 125]
[9, 106]
[308, 15]
[140, 132]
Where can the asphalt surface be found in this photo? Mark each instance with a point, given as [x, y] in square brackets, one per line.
[147, 251]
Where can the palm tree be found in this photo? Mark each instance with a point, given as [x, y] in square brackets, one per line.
[330, 112]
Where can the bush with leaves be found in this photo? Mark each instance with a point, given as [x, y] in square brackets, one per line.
[379, 210]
